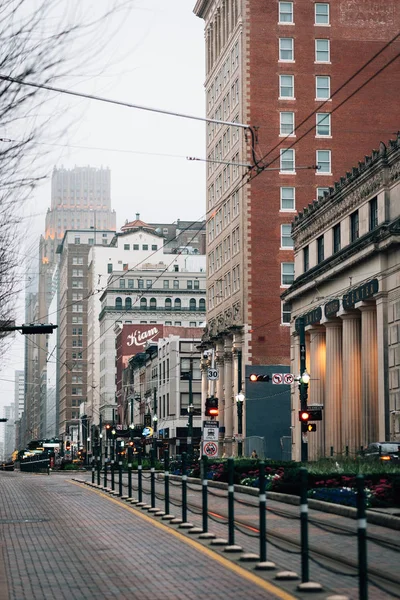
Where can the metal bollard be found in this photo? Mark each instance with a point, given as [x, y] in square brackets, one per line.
[231, 503]
[93, 469]
[120, 477]
[152, 479]
[347, 451]
[105, 471]
[304, 525]
[98, 470]
[331, 453]
[129, 472]
[263, 513]
[139, 472]
[112, 473]
[204, 490]
[184, 488]
[362, 539]
[166, 481]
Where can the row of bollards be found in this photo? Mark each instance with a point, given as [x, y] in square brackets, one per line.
[230, 546]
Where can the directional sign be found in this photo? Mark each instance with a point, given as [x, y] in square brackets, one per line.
[212, 374]
[277, 378]
[288, 378]
[210, 449]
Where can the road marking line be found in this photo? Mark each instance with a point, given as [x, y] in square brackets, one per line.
[266, 585]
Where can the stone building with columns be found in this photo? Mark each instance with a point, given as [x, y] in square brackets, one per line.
[347, 289]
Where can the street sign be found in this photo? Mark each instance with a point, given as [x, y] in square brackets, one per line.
[277, 378]
[147, 432]
[212, 374]
[210, 423]
[210, 434]
[288, 378]
[210, 449]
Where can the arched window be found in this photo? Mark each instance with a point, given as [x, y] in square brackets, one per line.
[143, 303]
[177, 304]
[168, 304]
[202, 304]
[153, 303]
[118, 303]
[128, 303]
[192, 304]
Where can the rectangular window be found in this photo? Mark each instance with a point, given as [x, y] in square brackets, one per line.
[287, 160]
[127, 246]
[323, 161]
[286, 86]
[122, 283]
[109, 268]
[77, 240]
[336, 238]
[286, 49]
[286, 313]
[189, 284]
[286, 236]
[135, 247]
[176, 284]
[287, 274]
[149, 283]
[285, 12]
[322, 13]
[320, 249]
[131, 284]
[323, 124]
[373, 213]
[166, 284]
[306, 259]
[145, 247]
[196, 284]
[286, 123]
[287, 198]
[322, 51]
[321, 191]
[140, 284]
[354, 226]
[154, 246]
[322, 87]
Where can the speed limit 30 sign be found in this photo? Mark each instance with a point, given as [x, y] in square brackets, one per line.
[212, 374]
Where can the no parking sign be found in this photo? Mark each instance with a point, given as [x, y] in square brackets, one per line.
[210, 449]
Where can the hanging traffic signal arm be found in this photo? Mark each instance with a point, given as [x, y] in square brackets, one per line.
[257, 377]
[31, 328]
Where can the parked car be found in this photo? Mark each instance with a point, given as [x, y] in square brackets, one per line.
[387, 451]
[7, 466]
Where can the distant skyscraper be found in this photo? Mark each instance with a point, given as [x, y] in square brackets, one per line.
[19, 393]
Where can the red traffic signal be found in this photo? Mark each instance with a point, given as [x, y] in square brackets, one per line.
[304, 416]
[211, 407]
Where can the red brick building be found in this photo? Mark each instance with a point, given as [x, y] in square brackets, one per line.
[291, 70]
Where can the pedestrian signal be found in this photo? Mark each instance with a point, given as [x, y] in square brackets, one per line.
[312, 427]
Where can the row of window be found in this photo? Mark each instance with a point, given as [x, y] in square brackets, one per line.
[354, 234]
[222, 217]
[137, 246]
[222, 253]
[322, 87]
[167, 304]
[224, 287]
[321, 13]
[322, 50]
[288, 161]
[219, 30]
[287, 124]
[148, 284]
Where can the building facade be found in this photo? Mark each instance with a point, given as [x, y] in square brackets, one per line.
[347, 289]
[300, 74]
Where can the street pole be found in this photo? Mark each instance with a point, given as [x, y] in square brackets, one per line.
[155, 419]
[189, 440]
[239, 405]
[303, 390]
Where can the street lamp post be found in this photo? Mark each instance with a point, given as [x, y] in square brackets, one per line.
[155, 420]
[190, 410]
[239, 406]
[87, 451]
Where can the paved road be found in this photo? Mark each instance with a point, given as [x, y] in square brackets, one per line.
[59, 539]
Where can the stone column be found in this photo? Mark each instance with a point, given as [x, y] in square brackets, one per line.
[369, 374]
[351, 398]
[333, 387]
[219, 393]
[383, 366]
[316, 440]
[295, 397]
[228, 395]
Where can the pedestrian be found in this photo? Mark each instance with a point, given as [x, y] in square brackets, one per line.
[254, 454]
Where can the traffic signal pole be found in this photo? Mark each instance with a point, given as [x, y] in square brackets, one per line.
[303, 389]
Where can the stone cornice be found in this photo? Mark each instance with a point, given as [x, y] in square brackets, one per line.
[200, 8]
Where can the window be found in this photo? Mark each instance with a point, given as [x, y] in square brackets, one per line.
[122, 283]
[77, 240]
[202, 304]
[321, 191]
[322, 51]
[285, 12]
[189, 284]
[322, 13]
[192, 304]
[178, 323]
[323, 124]
[153, 303]
[128, 303]
[140, 284]
[306, 259]
[287, 161]
[166, 284]
[286, 313]
[118, 303]
[287, 198]
[177, 304]
[320, 249]
[154, 246]
[323, 161]
[149, 283]
[286, 49]
[373, 213]
[176, 284]
[131, 284]
[354, 226]
[196, 284]
[192, 323]
[336, 238]
[287, 274]
[168, 304]
[235, 279]
[91, 241]
[127, 246]
[322, 87]
[286, 86]
[286, 236]
[145, 247]
[286, 123]
[109, 268]
[143, 304]
[135, 247]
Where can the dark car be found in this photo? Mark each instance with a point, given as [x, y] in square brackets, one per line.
[7, 466]
[385, 451]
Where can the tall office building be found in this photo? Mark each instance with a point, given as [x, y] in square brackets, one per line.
[298, 73]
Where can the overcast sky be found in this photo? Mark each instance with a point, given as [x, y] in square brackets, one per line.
[156, 59]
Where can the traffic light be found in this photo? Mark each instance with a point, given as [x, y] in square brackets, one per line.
[68, 445]
[304, 416]
[312, 427]
[108, 431]
[211, 407]
[257, 377]
[38, 328]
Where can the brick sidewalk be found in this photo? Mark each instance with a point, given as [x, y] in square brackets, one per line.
[60, 540]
